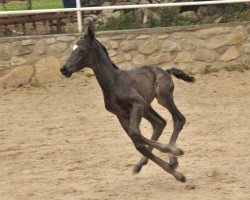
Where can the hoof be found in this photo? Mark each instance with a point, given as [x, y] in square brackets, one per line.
[173, 162]
[177, 151]
[136, 169]
[180, 177]
[183, 179]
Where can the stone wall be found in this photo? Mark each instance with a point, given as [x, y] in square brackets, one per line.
[192, 48]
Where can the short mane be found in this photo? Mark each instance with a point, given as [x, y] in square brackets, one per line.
[105, 50]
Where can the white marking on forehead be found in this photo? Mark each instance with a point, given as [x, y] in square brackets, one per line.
[75, 47]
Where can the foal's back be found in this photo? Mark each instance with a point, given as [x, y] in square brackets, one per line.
[143, 80]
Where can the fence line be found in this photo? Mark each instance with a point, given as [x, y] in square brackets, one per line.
[122, 7]
[78, 9]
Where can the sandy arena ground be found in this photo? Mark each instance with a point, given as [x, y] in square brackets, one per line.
[59, 142]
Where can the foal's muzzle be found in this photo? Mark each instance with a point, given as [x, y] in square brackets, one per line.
[65, 72]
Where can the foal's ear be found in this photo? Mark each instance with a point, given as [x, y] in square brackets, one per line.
[91, 31]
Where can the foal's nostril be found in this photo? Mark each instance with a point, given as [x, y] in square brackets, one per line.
[65, 72]
[63, 69]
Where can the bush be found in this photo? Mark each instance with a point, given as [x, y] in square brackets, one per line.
[182, 21]
[125, 21]
[233, 8]
[171, 16]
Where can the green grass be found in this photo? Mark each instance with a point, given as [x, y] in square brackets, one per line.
[36, 4]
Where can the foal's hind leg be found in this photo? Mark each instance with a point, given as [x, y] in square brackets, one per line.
[158, 124]
[131, 126]
[164, 90]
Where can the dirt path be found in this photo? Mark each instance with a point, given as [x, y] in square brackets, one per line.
[58, 142]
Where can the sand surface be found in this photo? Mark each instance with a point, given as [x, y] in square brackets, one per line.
[59, 142]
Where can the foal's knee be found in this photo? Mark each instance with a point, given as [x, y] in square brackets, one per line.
[136, 138]
[182, 119]
[134, 135]
[162, 124]
[180, 122]
[140, 147]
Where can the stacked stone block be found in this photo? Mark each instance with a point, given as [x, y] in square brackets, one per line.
[192, 48]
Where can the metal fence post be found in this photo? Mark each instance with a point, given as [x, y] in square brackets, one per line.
[79, 16]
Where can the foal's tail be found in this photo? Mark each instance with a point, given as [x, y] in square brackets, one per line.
[181, 75]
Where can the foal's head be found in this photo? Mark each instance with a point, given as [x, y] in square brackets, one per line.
[82, 54]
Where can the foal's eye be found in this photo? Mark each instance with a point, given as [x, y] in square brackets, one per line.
[75, 47]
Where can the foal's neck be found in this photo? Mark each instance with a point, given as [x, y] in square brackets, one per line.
[104, 71]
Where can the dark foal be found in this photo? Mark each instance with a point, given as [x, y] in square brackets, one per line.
[128, 95]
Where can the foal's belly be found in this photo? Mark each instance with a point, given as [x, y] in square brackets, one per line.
[150, 94]
[147, 91]
[145, 84]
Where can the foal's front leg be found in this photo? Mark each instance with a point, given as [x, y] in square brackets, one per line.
[158, 124]
[131, 126]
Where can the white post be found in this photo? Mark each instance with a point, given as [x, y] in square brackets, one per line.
[79, 16]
